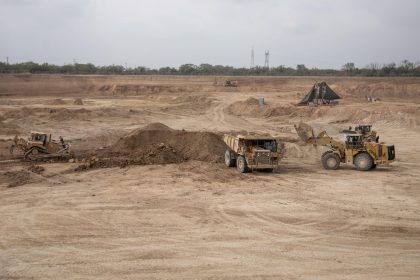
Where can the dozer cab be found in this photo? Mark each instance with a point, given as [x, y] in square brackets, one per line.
[249, 153]
[364, 155]
[365, 130]
[40, 146]
[230, 83]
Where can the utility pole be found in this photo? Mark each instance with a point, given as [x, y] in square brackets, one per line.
[267, 59]
[7, 60]
[252, 65]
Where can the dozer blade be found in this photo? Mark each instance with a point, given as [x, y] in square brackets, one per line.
[304, 131]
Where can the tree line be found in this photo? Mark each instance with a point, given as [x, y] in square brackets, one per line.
[405, 68]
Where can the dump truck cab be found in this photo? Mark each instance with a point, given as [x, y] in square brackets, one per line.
[252, 152]
[230, 83]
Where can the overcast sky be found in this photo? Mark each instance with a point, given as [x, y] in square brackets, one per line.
[157, 33]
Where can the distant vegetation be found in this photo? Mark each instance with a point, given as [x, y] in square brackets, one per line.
[405, 68]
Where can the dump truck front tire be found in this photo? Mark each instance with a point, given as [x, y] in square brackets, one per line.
[229, 160]
[241, 164]
[363, 162]
[330, 160]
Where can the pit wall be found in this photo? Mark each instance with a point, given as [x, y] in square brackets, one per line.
[83, 85]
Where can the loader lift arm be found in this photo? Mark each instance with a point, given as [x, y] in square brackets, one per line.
[307, 135]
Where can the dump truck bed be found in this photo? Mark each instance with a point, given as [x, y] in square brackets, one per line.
[233, 141]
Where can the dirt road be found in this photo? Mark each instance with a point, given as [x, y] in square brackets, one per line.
[199, 219]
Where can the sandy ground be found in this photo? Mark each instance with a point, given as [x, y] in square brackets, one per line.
[199, 219]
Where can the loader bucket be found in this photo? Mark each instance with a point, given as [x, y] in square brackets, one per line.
[304, 131]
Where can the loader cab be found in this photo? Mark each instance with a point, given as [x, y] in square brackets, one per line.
[363, 129]
[354, 142]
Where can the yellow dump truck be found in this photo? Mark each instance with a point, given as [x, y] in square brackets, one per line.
[249, 153]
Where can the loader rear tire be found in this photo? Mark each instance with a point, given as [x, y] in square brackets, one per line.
[363, 162]
[241, 164]
[229, 161]
[330, 160]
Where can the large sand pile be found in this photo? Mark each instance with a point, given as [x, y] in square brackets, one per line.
[157, 143]
[205, 146]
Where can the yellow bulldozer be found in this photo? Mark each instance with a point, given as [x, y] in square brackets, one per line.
[40, 146]
[364, 155]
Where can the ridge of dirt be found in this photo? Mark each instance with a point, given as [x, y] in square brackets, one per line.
[401, 116]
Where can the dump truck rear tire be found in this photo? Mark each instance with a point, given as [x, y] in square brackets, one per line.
[363, 162]
[330, 160]
[229, 161]
[241, 164]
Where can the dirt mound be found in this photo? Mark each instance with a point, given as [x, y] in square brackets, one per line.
[78, 101]
[142, 89]
[8, 129]
[252, 108]
[251, 101]
[36, 169]
[65, 114]
[157, 153]
[188, 102]
[395, 116]
[62, 114]
[157, 143]
[151, 127]
[58, 101]
[16, 178]
[205, 146]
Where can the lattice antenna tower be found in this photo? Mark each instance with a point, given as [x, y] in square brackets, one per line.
[252, 65]
[267, 59]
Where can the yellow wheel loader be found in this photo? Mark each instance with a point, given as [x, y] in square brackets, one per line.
[364, 155]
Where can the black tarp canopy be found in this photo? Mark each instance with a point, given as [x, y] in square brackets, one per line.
[320, 93]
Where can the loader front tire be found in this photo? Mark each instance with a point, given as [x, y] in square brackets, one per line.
[330, 160]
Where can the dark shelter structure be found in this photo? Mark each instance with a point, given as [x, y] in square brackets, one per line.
[320, 94]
